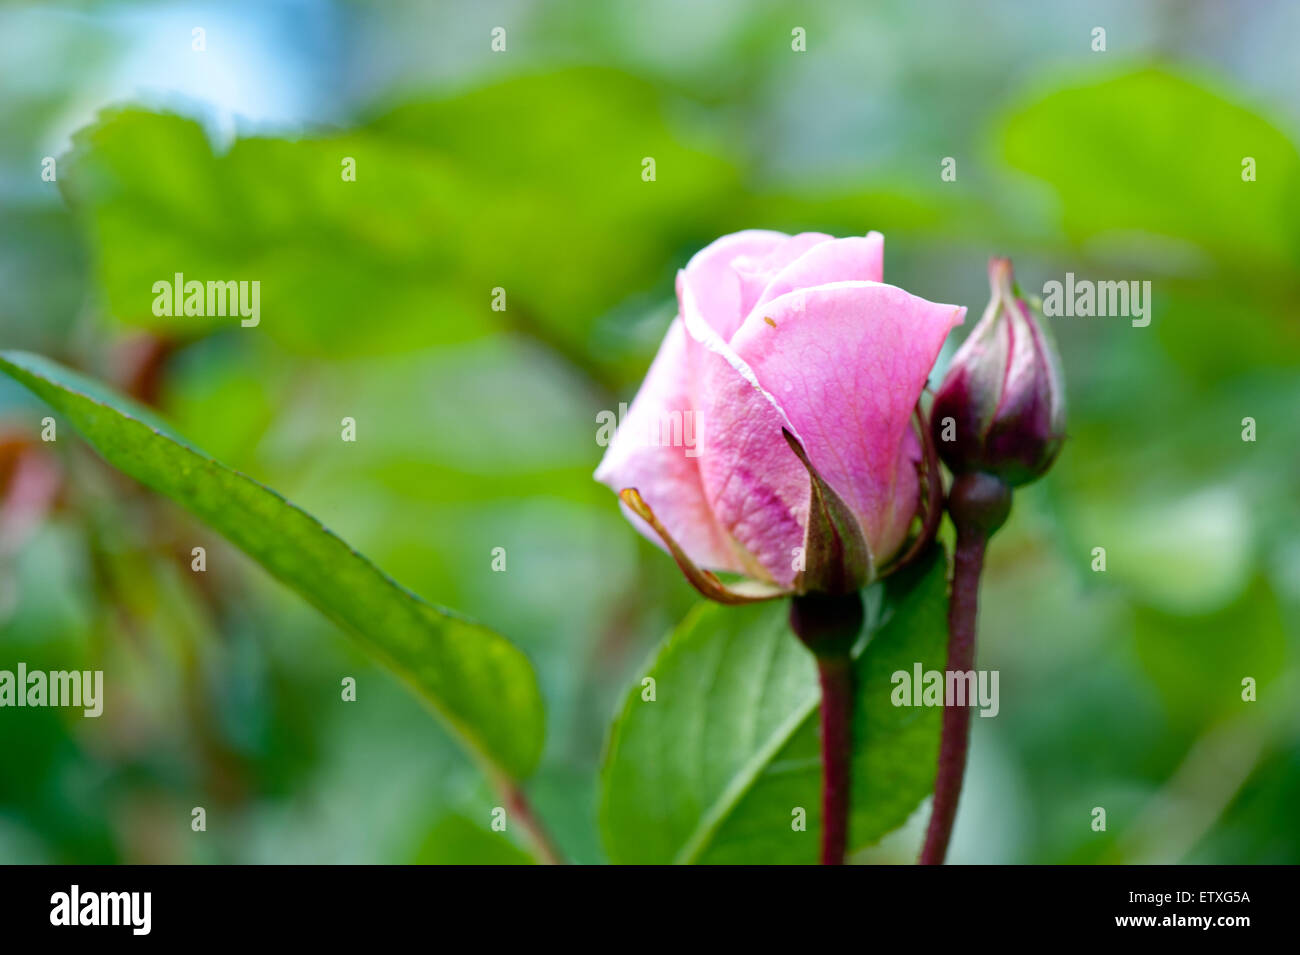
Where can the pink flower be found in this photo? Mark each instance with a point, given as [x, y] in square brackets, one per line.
[796, 373]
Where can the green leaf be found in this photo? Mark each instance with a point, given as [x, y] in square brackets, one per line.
[456, 840]
[712, 770]
[481, 685]
[1220, 250]
[1156, 154]
[444, 208]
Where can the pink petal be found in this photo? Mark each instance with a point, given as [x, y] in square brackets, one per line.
[846, 363]
[715, 284]
[666, 473]
[855, 259]
[905, 497]
[757, 491]
[727, 276]
[757, 271]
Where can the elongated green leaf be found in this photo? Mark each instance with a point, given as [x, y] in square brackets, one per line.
[482, 686]
[713, 769]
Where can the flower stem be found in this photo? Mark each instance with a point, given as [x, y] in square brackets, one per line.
[828, 625]
[978, 504]
[520, 810]
[955, 740]
[836, 674]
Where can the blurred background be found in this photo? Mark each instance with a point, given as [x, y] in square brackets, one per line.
[476, 428]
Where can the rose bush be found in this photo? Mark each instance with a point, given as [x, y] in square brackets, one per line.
[800, 371]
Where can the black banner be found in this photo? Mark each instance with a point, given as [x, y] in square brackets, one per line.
[334, 904]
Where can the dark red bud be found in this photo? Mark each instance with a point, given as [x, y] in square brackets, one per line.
[1001, 407]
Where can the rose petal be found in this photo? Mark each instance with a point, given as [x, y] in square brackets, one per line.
[727, 276]
[715, 284]
[757, 271]
[855, 259]
[846, 363]
[758, 492]
[708, 585]
[667, 474]
[905, 498]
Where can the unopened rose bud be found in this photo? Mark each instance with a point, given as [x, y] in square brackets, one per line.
[802, 371]
[1001, 407]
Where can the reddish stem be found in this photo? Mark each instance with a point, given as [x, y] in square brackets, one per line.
[520, 810]
[836, 675]
[967, 563]
[828, 625]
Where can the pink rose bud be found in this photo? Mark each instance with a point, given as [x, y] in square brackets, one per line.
[773, 435]
[1001, 407]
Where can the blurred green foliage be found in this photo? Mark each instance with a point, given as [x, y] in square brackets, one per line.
[475, 427]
